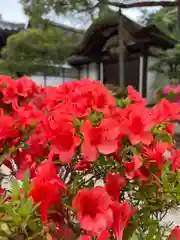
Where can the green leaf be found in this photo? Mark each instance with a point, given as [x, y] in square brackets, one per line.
[33, 225]
[152, 230]
[4, 234]
[129, 231]
[15, 189]
[76, 123]
[35, 207]
[26, 182]
[2, 208]
[17, 219]
[26, 208]
[90, 184]
[134, 237]
[29, 204]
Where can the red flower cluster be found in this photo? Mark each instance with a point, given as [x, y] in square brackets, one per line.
[47, 188]
[99, 209]
[75, 125]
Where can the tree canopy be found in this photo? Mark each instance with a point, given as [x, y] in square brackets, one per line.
[38, 8]
[166, 19]
[36, 49]
[168, 61]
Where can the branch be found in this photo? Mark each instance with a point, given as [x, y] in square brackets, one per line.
[88, 8]
[146, 4]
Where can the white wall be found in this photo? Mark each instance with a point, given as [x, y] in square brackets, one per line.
[154, 80]
[83, 72]
[50, 80]
[93, 71]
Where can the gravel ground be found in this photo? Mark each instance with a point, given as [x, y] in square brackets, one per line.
[173, 216]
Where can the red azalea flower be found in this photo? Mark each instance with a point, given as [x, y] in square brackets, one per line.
[103, 138]
[164, 112]
[47, 195]
[155, 154]
[28, 115]
[1, 191]
[175, 234]
[135, 96]
[122, 213]
[31, 167]
[37, 143]
[5, 81]
[103, 236]
[63, 140]
[169, 128]
[82, 166]
[47, 188]
[24, 160]
[7, 128]
[62, 231]
[8, 163]
[93, 207]
[175, 159]
[116, 156]
[132, 169]
[46, 171]
[25, 87]
[85, 237]
[10, 95]
[114, 184]
[102, 99]
[137, 128]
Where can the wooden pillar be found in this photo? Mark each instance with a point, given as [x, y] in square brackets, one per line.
[98, 70]
[143, 68]
[79, 72]
[102, 72]
[141, 75]
[63, 75]
[87, 70]
[121, 49]
[45, 80]
[145, 65]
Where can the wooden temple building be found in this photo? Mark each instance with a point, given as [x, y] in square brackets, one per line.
[97, 55]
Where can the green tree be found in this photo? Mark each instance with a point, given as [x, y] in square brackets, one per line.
[168, 64]
[6, 70]
[168, 61]
[146, 16]
[166, 19]
[35, 49]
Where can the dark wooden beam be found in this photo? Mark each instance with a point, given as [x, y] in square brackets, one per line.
[79, 72]
[98, 70]
[87, 70]
[63, 74]
[145, 4]
[145, 69]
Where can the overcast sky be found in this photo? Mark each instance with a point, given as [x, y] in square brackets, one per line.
[11, 10]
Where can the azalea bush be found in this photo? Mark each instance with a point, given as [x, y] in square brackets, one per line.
[85, 164]
[169, 92]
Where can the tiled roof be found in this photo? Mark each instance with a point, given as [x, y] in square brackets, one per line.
[4, 25]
